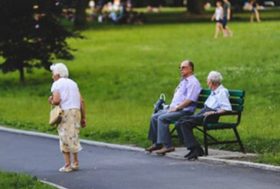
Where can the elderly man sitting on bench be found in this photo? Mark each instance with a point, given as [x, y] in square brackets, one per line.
[183, 104]
[217, 103]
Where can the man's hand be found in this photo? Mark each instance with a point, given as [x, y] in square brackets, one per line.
[173, 109]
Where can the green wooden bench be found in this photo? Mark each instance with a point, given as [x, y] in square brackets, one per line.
[237, 103]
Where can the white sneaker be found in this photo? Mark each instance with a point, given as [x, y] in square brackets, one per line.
[65, 169]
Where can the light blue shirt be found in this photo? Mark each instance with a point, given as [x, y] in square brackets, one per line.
[188, 88]
[219, 99]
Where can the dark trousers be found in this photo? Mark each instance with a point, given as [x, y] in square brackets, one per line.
[187, 123]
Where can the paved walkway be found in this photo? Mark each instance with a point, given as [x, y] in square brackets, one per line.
[106, 168]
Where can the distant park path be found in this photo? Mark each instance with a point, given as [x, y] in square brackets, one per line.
[105, 168]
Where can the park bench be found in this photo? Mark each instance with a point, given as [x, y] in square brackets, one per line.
[237, 103]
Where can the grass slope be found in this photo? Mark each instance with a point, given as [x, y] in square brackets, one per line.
[121, 70]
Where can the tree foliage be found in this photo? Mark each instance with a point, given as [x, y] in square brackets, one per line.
[31, 35]
[195, 6]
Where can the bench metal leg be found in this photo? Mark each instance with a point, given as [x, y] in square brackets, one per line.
[172, 132]
[208, 135]
[239, 140]
[205, 141]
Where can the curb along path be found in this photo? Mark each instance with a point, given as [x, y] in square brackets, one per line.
[216, 156]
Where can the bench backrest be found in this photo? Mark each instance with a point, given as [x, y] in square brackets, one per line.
[236, 99]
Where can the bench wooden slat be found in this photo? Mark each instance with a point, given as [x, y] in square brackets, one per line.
[239, 101]
[237, 93]
[237, 108]
[236, 99]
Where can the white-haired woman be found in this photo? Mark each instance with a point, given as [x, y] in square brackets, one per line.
[217, 103]
[66, 94]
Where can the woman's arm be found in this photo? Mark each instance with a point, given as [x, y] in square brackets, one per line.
[55, 98]
[83, 112]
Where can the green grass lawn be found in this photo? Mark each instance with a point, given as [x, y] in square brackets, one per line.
[121, 70]
[20, 181]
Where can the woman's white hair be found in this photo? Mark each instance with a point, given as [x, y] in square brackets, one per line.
[59, 69]
[215, 77]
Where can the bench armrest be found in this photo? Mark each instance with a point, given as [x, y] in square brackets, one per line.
[210, 118]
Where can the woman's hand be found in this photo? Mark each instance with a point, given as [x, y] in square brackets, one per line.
[50, 99]
[83, 122]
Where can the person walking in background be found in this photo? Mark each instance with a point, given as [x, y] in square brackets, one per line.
[66, 94]
[226, 18]
[217, 103]
[183, 104]
[218, 17]
[254, 11]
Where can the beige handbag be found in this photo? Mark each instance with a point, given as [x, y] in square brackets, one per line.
[55, 115]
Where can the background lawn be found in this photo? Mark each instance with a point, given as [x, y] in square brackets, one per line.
[121, 70]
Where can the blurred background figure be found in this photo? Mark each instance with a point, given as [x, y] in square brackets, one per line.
[153, 6]
[98, 9]
[254, 11]
[226, 18]
[218, 17]
[91, 5]
[115, 11]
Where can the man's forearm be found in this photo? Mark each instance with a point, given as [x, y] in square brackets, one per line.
[184, 104]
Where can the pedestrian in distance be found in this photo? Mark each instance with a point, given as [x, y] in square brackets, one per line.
[226, 18]
[254, 11]
[66, 94]
[218, 17]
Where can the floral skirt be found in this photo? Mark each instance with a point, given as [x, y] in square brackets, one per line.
[68, 131]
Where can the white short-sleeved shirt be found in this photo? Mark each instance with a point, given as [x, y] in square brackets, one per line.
[219, 99]
[189, 88]
[69, 93]
[219, 13]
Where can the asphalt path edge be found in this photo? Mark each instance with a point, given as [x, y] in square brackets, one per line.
[52, 184]
[132, 148]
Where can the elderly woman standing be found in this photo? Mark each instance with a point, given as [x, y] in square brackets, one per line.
[217, 103]
[65, 93]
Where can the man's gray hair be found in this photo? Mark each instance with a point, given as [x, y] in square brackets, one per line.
[215, 77]
[59, 69]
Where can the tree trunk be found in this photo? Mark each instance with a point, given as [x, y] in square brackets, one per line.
[21, 74]
[80, 16]
[195, 6]
[177, 3]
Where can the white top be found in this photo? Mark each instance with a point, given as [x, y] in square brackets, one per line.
[219, 13]
[219, 99]
[189, 88]
[69, 93]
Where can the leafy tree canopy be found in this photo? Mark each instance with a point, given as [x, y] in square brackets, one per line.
[31, 35]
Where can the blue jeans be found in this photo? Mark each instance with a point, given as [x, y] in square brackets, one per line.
[159, 126]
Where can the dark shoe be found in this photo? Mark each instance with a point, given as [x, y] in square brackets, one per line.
[195, 153]
[153, 148]
[165, 150]
[188, 154]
